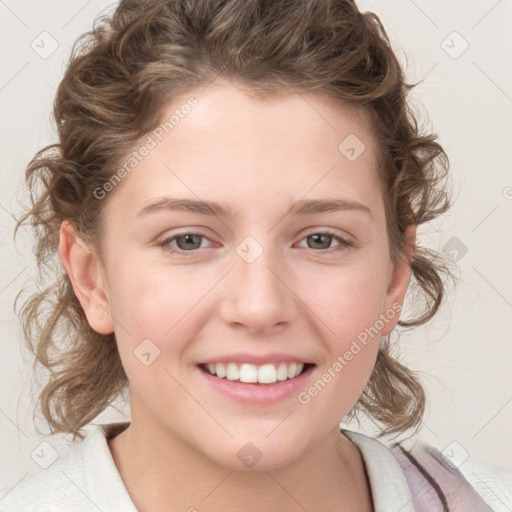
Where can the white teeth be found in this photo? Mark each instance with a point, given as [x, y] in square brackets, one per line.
[232, 372]
[248, 373]
[267, 374]
[251, 373]
[220, 370]
[282, 372]
[292, 370]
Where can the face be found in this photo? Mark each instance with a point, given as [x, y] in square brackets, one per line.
[267, 279]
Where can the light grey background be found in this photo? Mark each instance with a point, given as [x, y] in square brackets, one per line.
[463, 356]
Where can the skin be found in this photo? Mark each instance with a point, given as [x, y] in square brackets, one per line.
[180, 450]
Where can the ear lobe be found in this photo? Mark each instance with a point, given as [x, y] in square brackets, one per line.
[87, 278]
[400, 277]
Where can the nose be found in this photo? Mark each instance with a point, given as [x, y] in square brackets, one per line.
[258, 295]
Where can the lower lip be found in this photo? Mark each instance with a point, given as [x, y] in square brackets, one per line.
[257, 393]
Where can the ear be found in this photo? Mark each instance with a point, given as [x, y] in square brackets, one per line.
[87, 277]
[399, 281]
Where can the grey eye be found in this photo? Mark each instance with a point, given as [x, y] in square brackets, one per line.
[322, 239]
[191, 241]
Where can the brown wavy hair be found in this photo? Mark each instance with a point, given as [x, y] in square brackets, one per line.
[119, 76]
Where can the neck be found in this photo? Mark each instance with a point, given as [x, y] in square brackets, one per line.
[163, 473]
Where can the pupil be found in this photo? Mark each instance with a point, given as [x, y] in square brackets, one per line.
[189, 239]
[317, 239]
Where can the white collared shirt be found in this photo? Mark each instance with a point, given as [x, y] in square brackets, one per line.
[86, 479]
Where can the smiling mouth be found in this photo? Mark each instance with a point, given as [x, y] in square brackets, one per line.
[269, 373]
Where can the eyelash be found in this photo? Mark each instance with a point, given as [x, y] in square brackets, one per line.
[344, 243]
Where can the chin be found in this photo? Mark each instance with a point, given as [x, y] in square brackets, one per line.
[256, 453]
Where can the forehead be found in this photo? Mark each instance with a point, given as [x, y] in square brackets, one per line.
[233, 148]
[228, 116]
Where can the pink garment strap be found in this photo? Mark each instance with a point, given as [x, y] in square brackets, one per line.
[436, 485]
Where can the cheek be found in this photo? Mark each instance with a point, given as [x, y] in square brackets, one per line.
[156, 297]
[160, 304]
[153, 329]
[349, 307]
[349, 299]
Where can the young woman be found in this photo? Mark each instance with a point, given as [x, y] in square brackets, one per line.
[234, 198]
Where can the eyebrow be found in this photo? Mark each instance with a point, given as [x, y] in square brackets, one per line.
[301, 207]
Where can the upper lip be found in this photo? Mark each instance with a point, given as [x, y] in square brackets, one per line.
[256, 359]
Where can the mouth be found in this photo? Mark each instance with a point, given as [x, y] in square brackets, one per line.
[265, 374]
